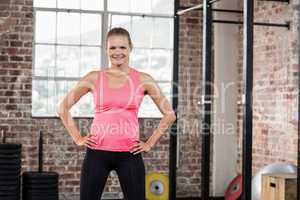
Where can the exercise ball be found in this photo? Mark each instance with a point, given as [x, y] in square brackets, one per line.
[272, 168]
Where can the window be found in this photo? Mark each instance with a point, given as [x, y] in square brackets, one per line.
[68, 43]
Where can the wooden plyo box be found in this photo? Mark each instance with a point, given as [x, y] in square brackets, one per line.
[279, 187]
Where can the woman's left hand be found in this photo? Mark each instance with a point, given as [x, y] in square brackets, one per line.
[140, 147]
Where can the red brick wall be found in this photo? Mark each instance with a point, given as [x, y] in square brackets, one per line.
[275, 86]
[189, 115]
[275, 75]
[15, 71]
[275, 72]
[60, 153]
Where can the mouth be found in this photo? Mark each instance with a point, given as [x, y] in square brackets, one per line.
[118, 57]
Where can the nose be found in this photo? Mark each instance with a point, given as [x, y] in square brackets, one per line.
[118, 50]
[115, 52]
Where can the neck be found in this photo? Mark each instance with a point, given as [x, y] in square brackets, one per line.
[119, 68]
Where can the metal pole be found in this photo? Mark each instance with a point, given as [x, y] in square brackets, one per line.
[286, 25]
[41, 152]
[227, 11]
[197, 7]
[284, 1]
[181, 12]
[298, 156]
[248, 81]
[207, 101]
[173, 135]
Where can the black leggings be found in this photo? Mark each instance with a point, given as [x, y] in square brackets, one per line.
[97, 165]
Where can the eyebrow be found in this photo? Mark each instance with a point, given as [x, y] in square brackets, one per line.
[114, 47]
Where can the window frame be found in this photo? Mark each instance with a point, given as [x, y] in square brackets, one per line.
[105, 20]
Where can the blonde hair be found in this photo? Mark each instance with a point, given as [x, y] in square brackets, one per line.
[120, 32]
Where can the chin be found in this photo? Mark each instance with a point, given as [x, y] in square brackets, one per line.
[118, 64]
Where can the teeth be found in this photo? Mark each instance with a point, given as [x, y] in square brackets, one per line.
[118, 57]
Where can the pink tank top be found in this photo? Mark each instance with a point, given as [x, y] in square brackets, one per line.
[115, 125]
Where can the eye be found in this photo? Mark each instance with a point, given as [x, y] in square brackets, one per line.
[123, 47]
[112, 48]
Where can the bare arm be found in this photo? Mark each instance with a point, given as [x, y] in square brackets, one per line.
[85, 85]
[154, 91]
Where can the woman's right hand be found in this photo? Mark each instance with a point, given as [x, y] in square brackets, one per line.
[86, 141]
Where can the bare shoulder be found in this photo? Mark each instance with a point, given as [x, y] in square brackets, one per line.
[89, 79]
[145, 78]
[148, 83]
[91, 76]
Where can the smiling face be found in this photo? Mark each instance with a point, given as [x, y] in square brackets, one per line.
[118, 50]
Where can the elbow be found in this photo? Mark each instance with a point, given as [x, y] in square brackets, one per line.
[172, 117]
[61, 109]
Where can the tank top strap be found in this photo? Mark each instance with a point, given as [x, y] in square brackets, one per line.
[136, 79]
[98, 89]
[135, 75]
[99, 80]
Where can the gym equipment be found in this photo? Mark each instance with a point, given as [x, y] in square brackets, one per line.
[10, 169]
[40, 185]
[207, 66]
[272, 168]
[280, 186]
[157, 186]
[234, 189]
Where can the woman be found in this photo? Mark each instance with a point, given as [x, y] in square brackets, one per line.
[114, 143]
